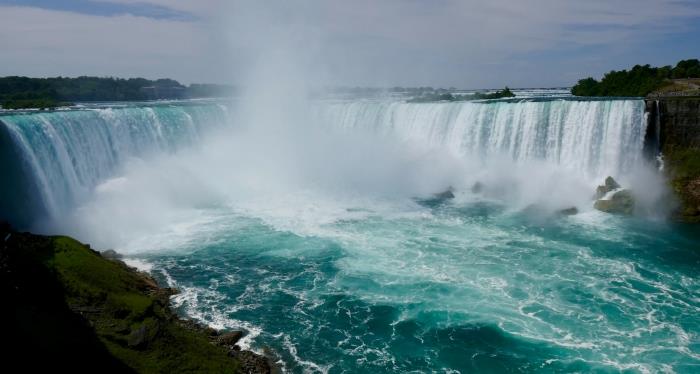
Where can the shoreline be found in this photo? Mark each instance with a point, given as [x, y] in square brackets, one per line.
[86, 310]
[249, 333]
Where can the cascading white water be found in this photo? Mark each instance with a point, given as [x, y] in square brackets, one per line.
[276, 226]
[70, 152]
[594, 138]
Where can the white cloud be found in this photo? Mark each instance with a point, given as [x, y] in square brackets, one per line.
[40, 42]
[442, 42]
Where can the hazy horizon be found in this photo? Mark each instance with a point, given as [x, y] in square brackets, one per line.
[462, 44]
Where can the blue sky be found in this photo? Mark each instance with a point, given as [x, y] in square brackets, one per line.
[106, 8]
[462, 43]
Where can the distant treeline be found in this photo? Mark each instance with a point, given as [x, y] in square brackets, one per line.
[446, 96]
[639, 81]
[382, 90]
[24, 92]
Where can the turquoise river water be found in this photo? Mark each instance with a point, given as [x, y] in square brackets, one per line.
[331, 251]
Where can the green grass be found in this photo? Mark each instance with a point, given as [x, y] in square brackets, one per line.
[177, 351]
[123, 295]
[127, 313]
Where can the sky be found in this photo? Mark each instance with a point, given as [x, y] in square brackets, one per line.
[440, 43]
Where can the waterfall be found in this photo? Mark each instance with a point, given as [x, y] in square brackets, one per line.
[67, 153]
[657, 133]
[595, 138]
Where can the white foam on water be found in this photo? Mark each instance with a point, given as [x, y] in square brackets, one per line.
[206, 306]
[308, 366]
[139, 264]
[350, 172]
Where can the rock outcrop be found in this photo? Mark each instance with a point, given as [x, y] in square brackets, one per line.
[621, 202]
[674, 130]
[447, 194]
[609, 185]
[68, 308]
[689, 189]
[230, 339]
[568, 211]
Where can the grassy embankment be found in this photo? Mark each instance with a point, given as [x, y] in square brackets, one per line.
[68, 307]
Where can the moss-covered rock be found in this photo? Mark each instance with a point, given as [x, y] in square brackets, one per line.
[69, 308]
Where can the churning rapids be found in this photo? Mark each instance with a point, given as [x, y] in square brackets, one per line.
[316, 229]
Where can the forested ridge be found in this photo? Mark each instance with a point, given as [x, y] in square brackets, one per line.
[641, 80]
[24, 92]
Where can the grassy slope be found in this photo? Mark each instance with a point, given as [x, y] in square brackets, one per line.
[75, 309]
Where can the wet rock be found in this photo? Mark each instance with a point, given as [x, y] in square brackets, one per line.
[447, 194]
[211, 332]
[600, 192]
[150, 283]
[609, 185]
[622, 202]
[568, 211]
[230, 338]
[193, 325]
[477, 187]
[251, 362]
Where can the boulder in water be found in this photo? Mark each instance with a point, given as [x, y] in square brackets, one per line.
[622, 202]
[568, 211]
[447, 194]
[477, 187]
[610, 185]
[230, 338]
